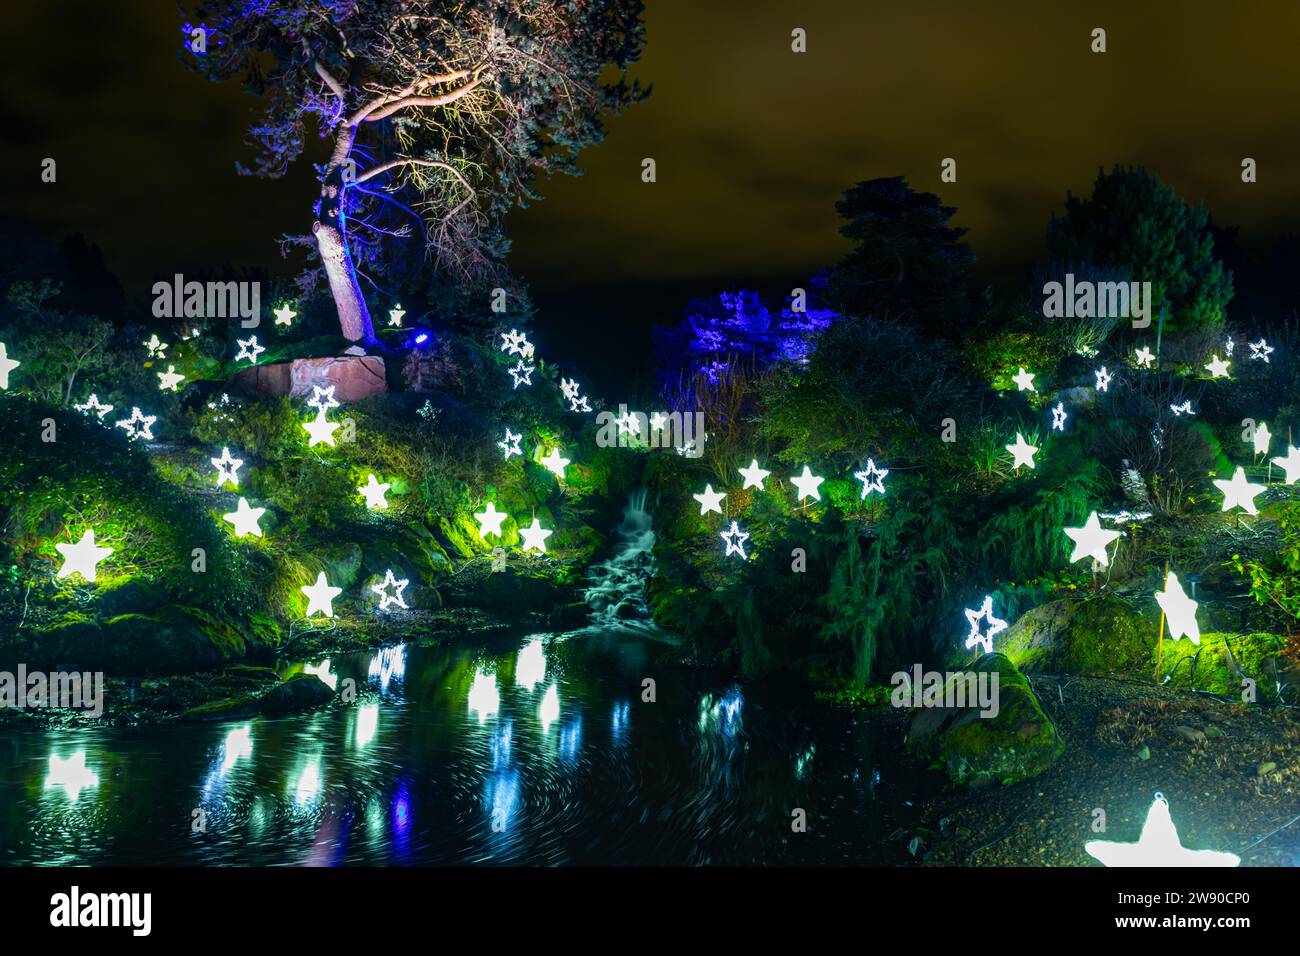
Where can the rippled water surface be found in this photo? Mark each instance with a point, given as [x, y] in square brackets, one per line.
[536, 749]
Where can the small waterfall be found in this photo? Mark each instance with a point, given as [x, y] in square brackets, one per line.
[616, 594]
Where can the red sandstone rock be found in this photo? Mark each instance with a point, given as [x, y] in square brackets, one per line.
[354, 377]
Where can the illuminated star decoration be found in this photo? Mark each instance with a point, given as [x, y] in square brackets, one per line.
[535, 536]
[227, 468]
[1239, 493]
[1091, 541]
[511, 444]
[138, 426]
[390, 581]
[7, 365]
[1217, 367]
[872, 478]
[395, 319]
[489, 520]
[245, 519]
[321, 430]
[554, 463]
[628, 423]
[81, 558]
[71, 774]
[249, 349]
[1229, 346]
[320, 596]
[1184, 409]
[1291, 463]
[1022, 452]
[710, 500]
[579, 404]
[521, 373]
[1260, 350]
[322, 398]
[1262, 438]
[514, 343]
[1180, 610]
[170, 380]
[1103, 379]
[156, 346]
[1024, 381]
[1059, 416]
[753, 475]
[995, 626]
[93, 404]
[807, 484]
[569, 388]
[284, 315]
[373, 491]
[1158, 845]
[735, 540]
[1145, 357]
[658, 421]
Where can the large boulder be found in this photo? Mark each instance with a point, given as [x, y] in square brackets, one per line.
[1097, 634]
[1220, 663]
[354, 377]
[300, 692]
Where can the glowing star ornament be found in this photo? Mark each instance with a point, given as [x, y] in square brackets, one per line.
[994, 625]
[1024, 381]
[521, 373]
[1291, 464]
[1103, 379]
[93, 405]
[1145, 357]
[320, 596]
[735, 540]
[322, 398]
[1262, 438]
[138, 426]
[1058, 417]
[1260, 350]
[1217, 367]
[284, 315]
[1183, 409]
[1180, 610]
[7, 365]
[658, 422]
[249, 349]
[1022, 452]
[245, 519]
[489, 520]
[579, 404]
[628, 424]
[554, 463]
[710, 500]
[569, 388]
[511, 444]
[321, 430]
[872, 478]
[395, 316]
[1158, 845]
[806, 485]
[81, 558]
[535, 536]
[397, 586]
[1091, 541]
[71, 774]
[373, 491]
[753, 476]
[156, 347]
[515, 343]
[1238, 492]
[227, 468]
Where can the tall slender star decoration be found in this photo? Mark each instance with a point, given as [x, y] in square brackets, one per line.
[521, 373]
[1262, 438]
[245, 519]
[138, 426]
[94, 405]
[489, 520]
[554, 463]
[321, 430]
[1145, 357]
[709, 500]
[1103, 379]
[1239, 493]
[995, 626]
[322, 398]
[227, 468]
[382, 589]
[806, 485]
[81, 558]
[1260, 350]
[320, 596]
[1058, 417]
[1024, 381]
[284, 315]
[1022, 452]
[872, 478]
[1157, 845]
[1291, 463]
[373, 491]
[535, 536]
[1217, 367]
[249, 349]
[753, 476]
[7, 365]
[511, 444]
[1091, 541]
[735, 539]
[1180, 610]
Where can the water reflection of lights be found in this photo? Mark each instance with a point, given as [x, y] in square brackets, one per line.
[549, 712]
[322, 670]
[723, 713]
[484, 698]
[530, 665]
[571, 739]
[367, 724]
[239, 743]
[622, 714]
[388, 663]
[502, 798]
[804, 761]
[71, 774]
[500, 744]
[308, 783]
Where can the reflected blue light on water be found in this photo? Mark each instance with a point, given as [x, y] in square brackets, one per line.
[388, 664]
[621, 716]
[501, 796]
[571, 740]
[499, 745]
[722, 714]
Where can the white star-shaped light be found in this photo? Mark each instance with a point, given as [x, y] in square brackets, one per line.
[249, 349]
[1184, 409]
[1145, 357]
[1291, 463]
[373, 491]
[321, 430]
[1239, 493]
[511, 444]
[1262, 438]
[515, 343]
[735, 540]
[521, 373]
[81, 558]
[489, 520]
[93, 404]
[569, 388]
[753, 476]
[227, 468]
[1158, 845]
[71, 774]
[872, 478]
[1229, 346]
[658, 421]
[138, 426]
[395, 320]
[284, 315]
[156, 346]
[1022, 452]
[1024, 381]
[554, 463]
[320, 596]
[1260, 350]
[170, 380]
[579, 404]
[7, 365]
[1217, 367]
[535, 536]
[398, 586]
[1091, 541]
[1180, 610]
[710, 500]
[322, 398]
[806, 485]
[995, 626]
[1103, 379]
[1059, 416]
[245, 519]
[628, 424]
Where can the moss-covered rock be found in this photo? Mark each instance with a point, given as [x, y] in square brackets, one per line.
[1221, 662]
[300, 692]
[1096, 634]
[232, 708]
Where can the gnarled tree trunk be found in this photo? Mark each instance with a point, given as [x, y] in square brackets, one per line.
[354, 317]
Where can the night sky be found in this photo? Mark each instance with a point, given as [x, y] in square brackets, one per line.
[754, 143]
